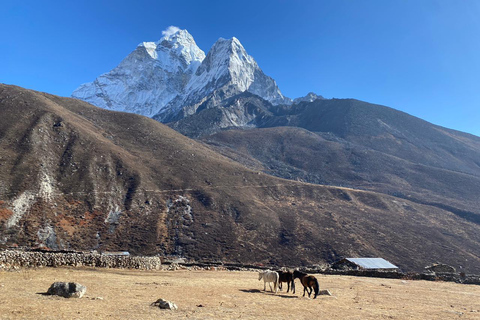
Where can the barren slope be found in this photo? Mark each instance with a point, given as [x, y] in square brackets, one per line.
[78, 177]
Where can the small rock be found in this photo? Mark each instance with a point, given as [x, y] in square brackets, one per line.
[67, 289]
[164, 304]
[324, 293]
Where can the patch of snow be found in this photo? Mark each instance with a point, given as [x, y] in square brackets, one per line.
[113, 216]
[47, 236]
[310, 97]
[151, 48]
[46, 186]
[20, 206]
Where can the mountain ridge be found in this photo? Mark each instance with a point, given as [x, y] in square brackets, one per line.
[83, 178]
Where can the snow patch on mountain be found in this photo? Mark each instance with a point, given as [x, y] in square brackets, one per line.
[21, 205]
[310, 97]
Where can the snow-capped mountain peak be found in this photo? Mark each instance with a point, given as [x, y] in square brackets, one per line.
[228, 64]
[149, 77]
[160, 78]
[226, 61]
[182, 45]
[175, 50]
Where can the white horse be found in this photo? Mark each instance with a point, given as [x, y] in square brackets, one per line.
[269, 276]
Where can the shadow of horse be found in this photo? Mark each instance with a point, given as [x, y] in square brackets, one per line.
[259, 291]
[251, 290]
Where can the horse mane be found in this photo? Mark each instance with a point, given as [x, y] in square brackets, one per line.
[299, 273]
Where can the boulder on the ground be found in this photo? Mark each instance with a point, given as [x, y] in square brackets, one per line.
[67, 289]
[164, 304]
[324, 293]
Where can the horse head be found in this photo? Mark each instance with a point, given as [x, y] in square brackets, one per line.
[298, 274]
[295, 274]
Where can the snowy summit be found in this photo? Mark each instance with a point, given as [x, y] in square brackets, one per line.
[160, 79]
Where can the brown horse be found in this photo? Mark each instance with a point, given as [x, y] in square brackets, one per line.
[286, 276]
[309, 282]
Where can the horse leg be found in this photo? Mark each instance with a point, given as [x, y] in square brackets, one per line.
[304, 290]
[310, 292]
[293, 286]
[270, 284]
[280, 286]
[288, 286]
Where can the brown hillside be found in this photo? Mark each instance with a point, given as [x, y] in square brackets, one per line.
[323, 158]
[78, 177]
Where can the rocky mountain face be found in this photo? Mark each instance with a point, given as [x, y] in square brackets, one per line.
[245, 110]
[79, 177]
[171, 78]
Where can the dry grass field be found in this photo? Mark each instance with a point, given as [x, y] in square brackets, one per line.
[127, 294]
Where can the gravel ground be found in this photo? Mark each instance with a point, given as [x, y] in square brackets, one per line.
[128, 294]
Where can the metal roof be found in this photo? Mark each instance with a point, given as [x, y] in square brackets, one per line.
[372, 263]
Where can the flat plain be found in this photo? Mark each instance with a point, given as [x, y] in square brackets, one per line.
[212, 294]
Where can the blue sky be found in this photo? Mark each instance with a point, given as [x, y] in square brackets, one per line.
[418, 56]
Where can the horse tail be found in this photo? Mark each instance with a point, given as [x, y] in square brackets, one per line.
[277, 281]
[316, 288]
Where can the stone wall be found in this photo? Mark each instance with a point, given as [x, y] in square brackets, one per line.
[12, 259]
